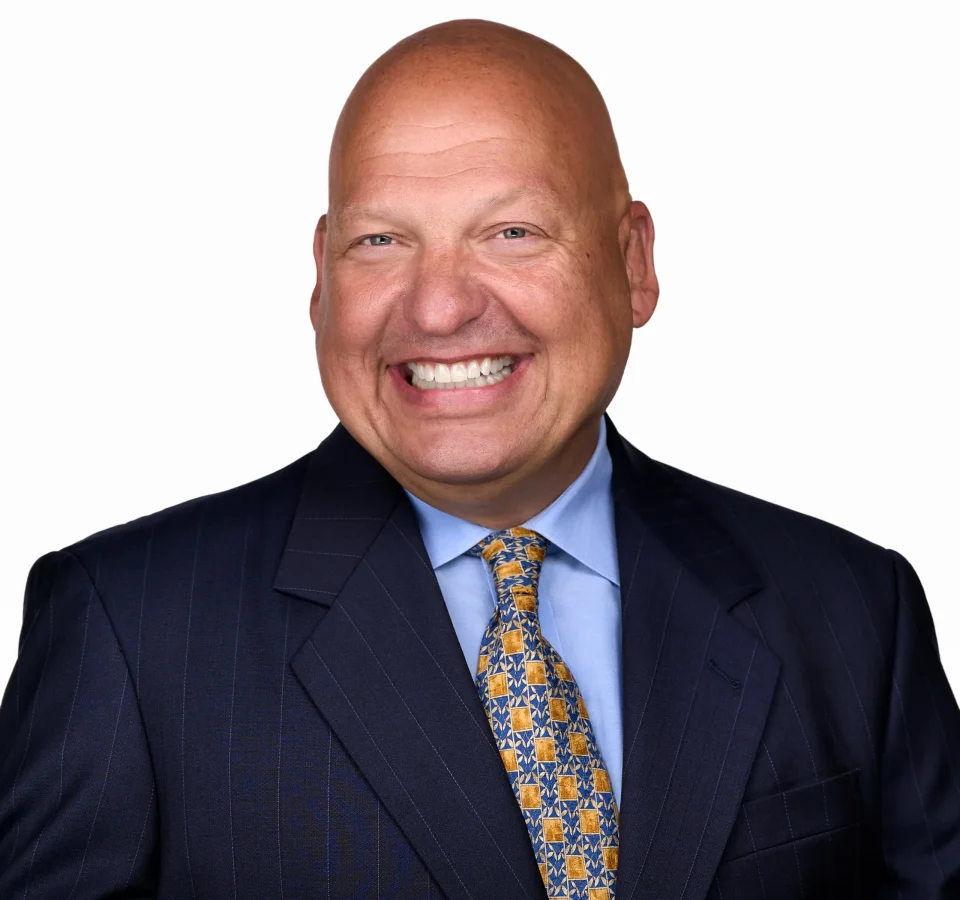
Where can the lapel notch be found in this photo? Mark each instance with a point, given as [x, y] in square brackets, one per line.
[345, 500]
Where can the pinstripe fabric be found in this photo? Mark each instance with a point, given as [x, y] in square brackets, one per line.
[260, 694]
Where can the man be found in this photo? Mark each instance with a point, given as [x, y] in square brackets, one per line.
[476, 645]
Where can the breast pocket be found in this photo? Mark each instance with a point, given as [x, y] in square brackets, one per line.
[802, 842]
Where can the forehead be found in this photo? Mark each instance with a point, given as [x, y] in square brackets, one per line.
[451, 142]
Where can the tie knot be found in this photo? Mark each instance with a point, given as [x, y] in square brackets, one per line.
[515, 556]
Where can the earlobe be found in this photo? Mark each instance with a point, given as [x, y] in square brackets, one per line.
[319, 238]
[638, 256]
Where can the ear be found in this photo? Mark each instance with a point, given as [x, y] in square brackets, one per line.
[319, 237]
[636, 245]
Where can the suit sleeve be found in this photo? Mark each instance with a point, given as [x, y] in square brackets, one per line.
[921, 758]
[77, 803]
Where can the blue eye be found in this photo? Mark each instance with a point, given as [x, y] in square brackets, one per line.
[378, 240]
[513, 232]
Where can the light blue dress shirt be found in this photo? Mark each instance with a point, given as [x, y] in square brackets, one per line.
[579, 591]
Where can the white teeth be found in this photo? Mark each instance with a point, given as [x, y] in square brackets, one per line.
[479, 381]
[470, 373]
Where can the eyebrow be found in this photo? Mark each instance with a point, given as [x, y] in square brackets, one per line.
[349, 211]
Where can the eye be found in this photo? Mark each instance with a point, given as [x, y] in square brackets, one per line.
[513, 232]
[376, 240]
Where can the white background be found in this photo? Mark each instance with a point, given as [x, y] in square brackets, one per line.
[162, 167]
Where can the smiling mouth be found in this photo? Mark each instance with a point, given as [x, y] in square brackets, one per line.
[470, 373]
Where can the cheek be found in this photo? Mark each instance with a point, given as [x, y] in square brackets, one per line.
[586, 328]
[604, 309]
[350, 326]
[573, 311]
[351, 321]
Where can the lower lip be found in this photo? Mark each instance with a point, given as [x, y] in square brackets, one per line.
[458, 399]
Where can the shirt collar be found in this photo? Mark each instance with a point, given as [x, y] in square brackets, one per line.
[579, 521]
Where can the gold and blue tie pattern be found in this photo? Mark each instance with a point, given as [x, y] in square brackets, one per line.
[541, 726]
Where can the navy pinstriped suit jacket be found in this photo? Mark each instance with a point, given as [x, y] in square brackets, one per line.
[259, 694]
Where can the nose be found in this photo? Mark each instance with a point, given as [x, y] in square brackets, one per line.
[443, 297]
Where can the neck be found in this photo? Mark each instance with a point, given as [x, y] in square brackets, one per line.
[512, 499]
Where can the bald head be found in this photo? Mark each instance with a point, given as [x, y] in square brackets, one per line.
[461, 80]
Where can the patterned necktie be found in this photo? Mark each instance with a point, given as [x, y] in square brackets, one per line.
[541, 726]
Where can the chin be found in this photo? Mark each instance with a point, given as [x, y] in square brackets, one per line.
[459, 461]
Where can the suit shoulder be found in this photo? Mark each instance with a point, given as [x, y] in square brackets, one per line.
[270, 496]
[765, 527]
[813, 571]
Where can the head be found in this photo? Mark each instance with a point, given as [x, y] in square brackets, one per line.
[478, 211]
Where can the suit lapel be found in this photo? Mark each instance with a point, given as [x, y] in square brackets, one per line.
[385, 669]
[697, 685]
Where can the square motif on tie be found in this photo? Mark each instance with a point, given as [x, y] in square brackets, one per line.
[520, 718]
[536, 673]
[497, 684]
[598, 894]
[523, 598]
[578, 743]
[558, 709]
[509, 758]
[513, 641]
[589, 821]
[575, 867]
[511, 569]
[546, 752]
[563, 672]
[582, 708]
[567, 787]
[530, 796]
[482, 663]
[536, 552]
[553, 831]
[493, 548]
[601, 781]
[611, 856]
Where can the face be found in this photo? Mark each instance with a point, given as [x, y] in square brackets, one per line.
[474, 305]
